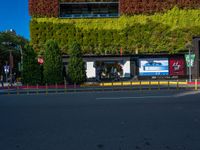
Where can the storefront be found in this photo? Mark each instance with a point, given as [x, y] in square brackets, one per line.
[108, 68]
[143, 66]
[134, 67]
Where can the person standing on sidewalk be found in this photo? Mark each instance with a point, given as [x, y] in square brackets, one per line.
[1, 80]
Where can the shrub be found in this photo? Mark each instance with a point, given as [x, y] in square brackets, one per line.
[53, 67]
[76, 68]
[31, 70]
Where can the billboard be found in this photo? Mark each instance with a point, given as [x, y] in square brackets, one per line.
[153, 67]
[177, 66]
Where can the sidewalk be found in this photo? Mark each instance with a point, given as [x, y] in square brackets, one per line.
[6, 84]
[18, 88]
[116, 83]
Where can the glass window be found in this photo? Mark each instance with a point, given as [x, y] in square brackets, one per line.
[89, 9]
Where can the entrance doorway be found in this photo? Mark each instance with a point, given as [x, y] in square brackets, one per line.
[109, 70]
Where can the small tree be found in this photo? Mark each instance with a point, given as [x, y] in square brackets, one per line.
[76, 67]
[31, 70]
[53, 66]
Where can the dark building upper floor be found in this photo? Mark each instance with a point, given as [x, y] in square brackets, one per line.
[104, 8]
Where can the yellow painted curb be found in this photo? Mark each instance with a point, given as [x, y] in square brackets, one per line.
[136, 83]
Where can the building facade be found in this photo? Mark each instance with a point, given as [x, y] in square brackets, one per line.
[135, 38]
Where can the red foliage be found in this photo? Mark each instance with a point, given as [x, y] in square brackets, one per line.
[89, 0]
[41, 8]
[130, 7]
[50, 8]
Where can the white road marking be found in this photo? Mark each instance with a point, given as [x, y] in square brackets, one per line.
[135, 97]
[187, 93]
[145, 97]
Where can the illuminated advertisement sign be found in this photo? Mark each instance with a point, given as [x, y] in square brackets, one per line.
[153, 67]
[177, 66]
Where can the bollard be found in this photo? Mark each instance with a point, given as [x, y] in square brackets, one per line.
[65, 87]
[177, 84]
[112, 87]
[17, 90]
[27, 88]
[131, 85]
[56, 88]
[196, 85]
[8, 90]
[187, 86]
[74, 87]
[140, 86]
[168, 84]
[37, 90]
[46, 89]
[121, 85]
[149, 85]
[158, 85]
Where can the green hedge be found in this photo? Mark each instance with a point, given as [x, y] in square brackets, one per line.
[166, 32]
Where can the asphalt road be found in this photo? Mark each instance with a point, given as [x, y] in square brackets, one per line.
[148, 120]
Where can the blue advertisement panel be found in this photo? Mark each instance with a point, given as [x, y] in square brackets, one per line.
[154, 67]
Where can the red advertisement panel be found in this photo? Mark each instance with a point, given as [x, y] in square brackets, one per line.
[177, 66]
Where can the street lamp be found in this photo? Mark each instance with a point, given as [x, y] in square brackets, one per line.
[189, 47]
[10, 58]
[19, 47]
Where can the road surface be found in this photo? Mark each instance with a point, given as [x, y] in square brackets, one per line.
[147, 120]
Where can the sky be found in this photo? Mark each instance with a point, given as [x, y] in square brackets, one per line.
[14, 15]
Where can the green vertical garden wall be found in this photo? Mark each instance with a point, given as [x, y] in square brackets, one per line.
[160, 32]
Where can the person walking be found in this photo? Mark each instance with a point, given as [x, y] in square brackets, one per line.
[1, 80]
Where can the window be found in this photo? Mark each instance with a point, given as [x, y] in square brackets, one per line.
[89, 9]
